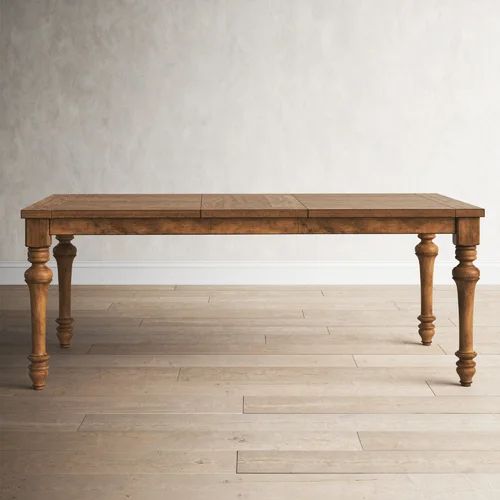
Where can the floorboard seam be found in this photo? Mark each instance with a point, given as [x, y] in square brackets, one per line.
[442, 348]
[81, 423]
[429, 386]
[360, 442]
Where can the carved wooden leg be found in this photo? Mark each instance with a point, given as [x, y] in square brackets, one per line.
[64, 252]
[426, 252]
[38, 278]
[466, 275]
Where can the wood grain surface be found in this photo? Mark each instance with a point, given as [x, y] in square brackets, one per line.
[231, 402]
[249, 205]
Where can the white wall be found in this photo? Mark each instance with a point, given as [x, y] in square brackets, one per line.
[250, 96]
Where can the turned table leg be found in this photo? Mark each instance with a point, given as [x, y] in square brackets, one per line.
[426, 252]
[466, 275]
[38, 278]
[64, 253]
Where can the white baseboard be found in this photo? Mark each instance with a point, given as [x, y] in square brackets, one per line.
[248, 273]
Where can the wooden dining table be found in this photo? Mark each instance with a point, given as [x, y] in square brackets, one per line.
[423, 214]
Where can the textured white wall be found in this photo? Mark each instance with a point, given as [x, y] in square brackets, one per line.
[249, 96]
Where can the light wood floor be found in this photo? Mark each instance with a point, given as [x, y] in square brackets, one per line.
[246, 393]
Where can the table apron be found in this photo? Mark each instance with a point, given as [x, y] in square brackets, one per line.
[248, 225]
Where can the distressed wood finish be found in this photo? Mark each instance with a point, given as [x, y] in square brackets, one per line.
[424, 214]
[426, 252]
[38, 278]
[167, 226]
[115, 205]
[248, 205]
[253, 225]
[386, 205]
[64, 253]
[466, 275]
[251, 205]
[377, 225]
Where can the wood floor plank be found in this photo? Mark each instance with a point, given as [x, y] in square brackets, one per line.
[390, 462]
[69, 360]
[320, 302]
[346, 338]
[407, 360]
[12, 420]
[21, 347]
[472, 441]
[271, 347]
[71, 385]
[218, 294]
[123, 403]
[450, 306]
[152, 339]
[168, 300]
[287, 375]
[100, 381]
[292, 422]
[163, 386]
[252, 486]
[151, 380]
[482, 318]
[206, 311]
[111, 291]
[302, 375]
[485, 384]
[359, 292]
[110, 331]
[13, 303]
[480, 346]
[127, 462]
[445, 335]
[406, 332]
[282, 289]
[272, 321]
[184, 439]
[365, 317]
[414, 405]
[91, 318]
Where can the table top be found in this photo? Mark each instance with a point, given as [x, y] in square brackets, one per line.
[63, 206]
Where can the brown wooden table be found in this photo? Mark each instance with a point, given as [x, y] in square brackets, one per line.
[423, 214]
